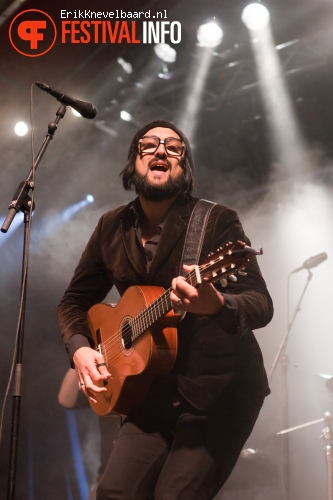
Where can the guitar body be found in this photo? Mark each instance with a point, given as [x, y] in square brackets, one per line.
[132, 363]
[138, 337]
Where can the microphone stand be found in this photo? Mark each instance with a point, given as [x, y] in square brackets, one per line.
[23, 202]
[283, 358]
[327, 436]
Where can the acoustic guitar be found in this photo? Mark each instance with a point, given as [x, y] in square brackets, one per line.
[138, 336]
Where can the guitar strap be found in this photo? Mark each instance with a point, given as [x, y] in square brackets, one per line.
[195, 233]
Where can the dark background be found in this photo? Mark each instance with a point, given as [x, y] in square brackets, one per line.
[288, 213]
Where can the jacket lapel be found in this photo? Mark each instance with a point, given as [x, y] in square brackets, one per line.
[174, 228]
[134, 253]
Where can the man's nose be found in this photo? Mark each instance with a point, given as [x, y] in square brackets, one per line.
[160, 151]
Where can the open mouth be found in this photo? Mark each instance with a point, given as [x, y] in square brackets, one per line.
[158, 166]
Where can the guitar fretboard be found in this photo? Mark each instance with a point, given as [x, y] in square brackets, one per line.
[157, 309]
[220, 265]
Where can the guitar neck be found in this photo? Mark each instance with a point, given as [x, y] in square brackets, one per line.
[222, 264]
[159, 308]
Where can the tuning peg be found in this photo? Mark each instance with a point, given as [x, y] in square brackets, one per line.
[242, 273]
[233, 278]
[223, 282]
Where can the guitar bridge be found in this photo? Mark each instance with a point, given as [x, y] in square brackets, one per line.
[99, 348]
[99, 340]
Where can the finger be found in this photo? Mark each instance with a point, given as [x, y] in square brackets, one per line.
[176, 301]
[178, 305]
[185, 292]
[102, 369]
[90, 395]
[86, 360]
[90, 387]
[93, 380]
[100, 364]
[188, 268]
[177, 287]
[183, 286]
[173, 286]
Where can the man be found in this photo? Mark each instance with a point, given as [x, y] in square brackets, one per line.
[184, 439]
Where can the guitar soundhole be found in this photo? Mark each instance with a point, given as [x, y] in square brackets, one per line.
[126, 336]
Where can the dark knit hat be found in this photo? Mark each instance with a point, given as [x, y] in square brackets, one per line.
[164, 124]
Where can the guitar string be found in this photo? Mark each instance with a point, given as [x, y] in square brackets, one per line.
[119, 336]
[142, 322]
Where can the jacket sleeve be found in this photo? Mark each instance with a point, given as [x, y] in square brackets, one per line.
[248, 304]
[89, 285]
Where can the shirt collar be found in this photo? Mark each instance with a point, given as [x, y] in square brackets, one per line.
[134, 215]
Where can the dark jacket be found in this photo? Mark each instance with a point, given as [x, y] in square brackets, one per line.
[215, 353]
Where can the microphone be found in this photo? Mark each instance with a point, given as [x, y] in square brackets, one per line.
[311, 262]
[85, 109]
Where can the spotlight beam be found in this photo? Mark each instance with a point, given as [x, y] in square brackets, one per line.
[289, 144]
[196, 84]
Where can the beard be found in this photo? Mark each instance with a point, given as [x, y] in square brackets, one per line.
[158, 192]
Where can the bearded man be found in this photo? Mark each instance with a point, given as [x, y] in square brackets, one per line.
[183, 438]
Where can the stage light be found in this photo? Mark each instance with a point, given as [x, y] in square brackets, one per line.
[286, 136]
[286, 44]
[209, 34]
[165, 74]
[124, 115]
[165, 52]
[21, 129]
[255, 16]
[90, 198]
[326, 376]
[190, 109]
[127, 67]
[69, 212]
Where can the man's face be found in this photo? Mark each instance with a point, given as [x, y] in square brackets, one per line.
[159, 175]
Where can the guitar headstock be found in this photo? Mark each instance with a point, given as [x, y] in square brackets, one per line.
[227, 261]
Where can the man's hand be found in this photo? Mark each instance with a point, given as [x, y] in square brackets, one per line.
[90, 368]
[202, 300]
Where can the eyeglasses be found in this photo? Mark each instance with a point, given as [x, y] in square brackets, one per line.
[149, 144]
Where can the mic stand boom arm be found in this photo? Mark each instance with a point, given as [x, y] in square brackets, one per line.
[22, 201]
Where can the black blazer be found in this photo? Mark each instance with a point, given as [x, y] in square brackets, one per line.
[215, 353]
